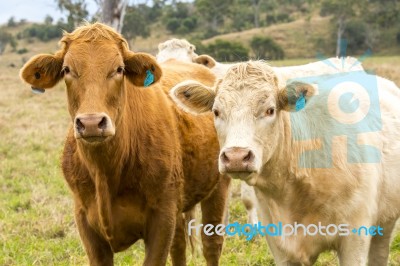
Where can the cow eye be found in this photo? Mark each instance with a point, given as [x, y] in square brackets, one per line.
[270, 112]
[216, 112]
[120, 70]
[66, 70]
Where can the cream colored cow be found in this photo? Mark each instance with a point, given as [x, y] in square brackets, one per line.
[264, 133]
[179, 49]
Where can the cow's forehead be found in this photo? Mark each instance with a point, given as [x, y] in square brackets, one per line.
[248, 96]
[100, 49]
[245, 89]
[99, 53]
[91, 43]
[252, 75]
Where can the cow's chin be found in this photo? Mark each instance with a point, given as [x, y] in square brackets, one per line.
[95, 140]
[249, 177]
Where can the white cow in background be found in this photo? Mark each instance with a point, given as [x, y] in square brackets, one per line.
[265, 133]
[178, 49]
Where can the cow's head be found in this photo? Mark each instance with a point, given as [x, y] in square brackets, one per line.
[95, 62]
[248, 107]
[179, 49]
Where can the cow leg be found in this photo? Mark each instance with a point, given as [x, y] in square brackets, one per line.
[379, 249]
[178, 249]
[353, 250]
[96, 247]
[159, 232]
[213, 213]
[226, 210]
[248, 197]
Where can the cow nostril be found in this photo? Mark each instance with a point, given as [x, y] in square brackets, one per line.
[249, 157]
[224, 158]
[103, 123]
[80, 127]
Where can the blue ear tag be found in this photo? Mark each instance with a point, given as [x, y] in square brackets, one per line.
[149, 78]
[300, 103]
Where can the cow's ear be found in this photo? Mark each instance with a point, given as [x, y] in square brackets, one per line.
[43, 71]
[205, 60]
[193, 96]
[295, 96]
[142, 69]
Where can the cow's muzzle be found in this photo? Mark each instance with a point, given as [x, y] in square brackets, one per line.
[94, 127]
[237, 162]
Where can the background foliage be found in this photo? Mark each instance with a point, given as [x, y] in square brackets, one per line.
[372, 24]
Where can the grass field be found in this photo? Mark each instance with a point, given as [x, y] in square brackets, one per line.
[36, 221]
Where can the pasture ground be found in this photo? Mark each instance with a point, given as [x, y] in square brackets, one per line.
[36, 209]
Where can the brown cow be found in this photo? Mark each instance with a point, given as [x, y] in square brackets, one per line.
[133, 161]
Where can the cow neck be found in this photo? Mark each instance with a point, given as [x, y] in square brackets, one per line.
[103, 166]
[281, 174]
[290, 193]
[272, 176]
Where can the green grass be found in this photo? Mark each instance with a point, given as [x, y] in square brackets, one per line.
[36, 209]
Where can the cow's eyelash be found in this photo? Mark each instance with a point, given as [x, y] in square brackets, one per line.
[65, 70]
[120, 70]
[270, 111]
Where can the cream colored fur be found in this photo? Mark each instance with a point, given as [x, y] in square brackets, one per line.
[358, 194]
[178, 49]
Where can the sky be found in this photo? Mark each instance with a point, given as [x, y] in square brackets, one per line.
[35, 10]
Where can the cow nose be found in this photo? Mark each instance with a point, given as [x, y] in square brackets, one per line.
[237, 159]
[93, 125]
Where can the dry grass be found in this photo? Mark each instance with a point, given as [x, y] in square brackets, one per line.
[387, 67]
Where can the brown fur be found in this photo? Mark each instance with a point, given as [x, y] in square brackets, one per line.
[160, 162]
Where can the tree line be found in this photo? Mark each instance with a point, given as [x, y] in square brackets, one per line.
[362, 24]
